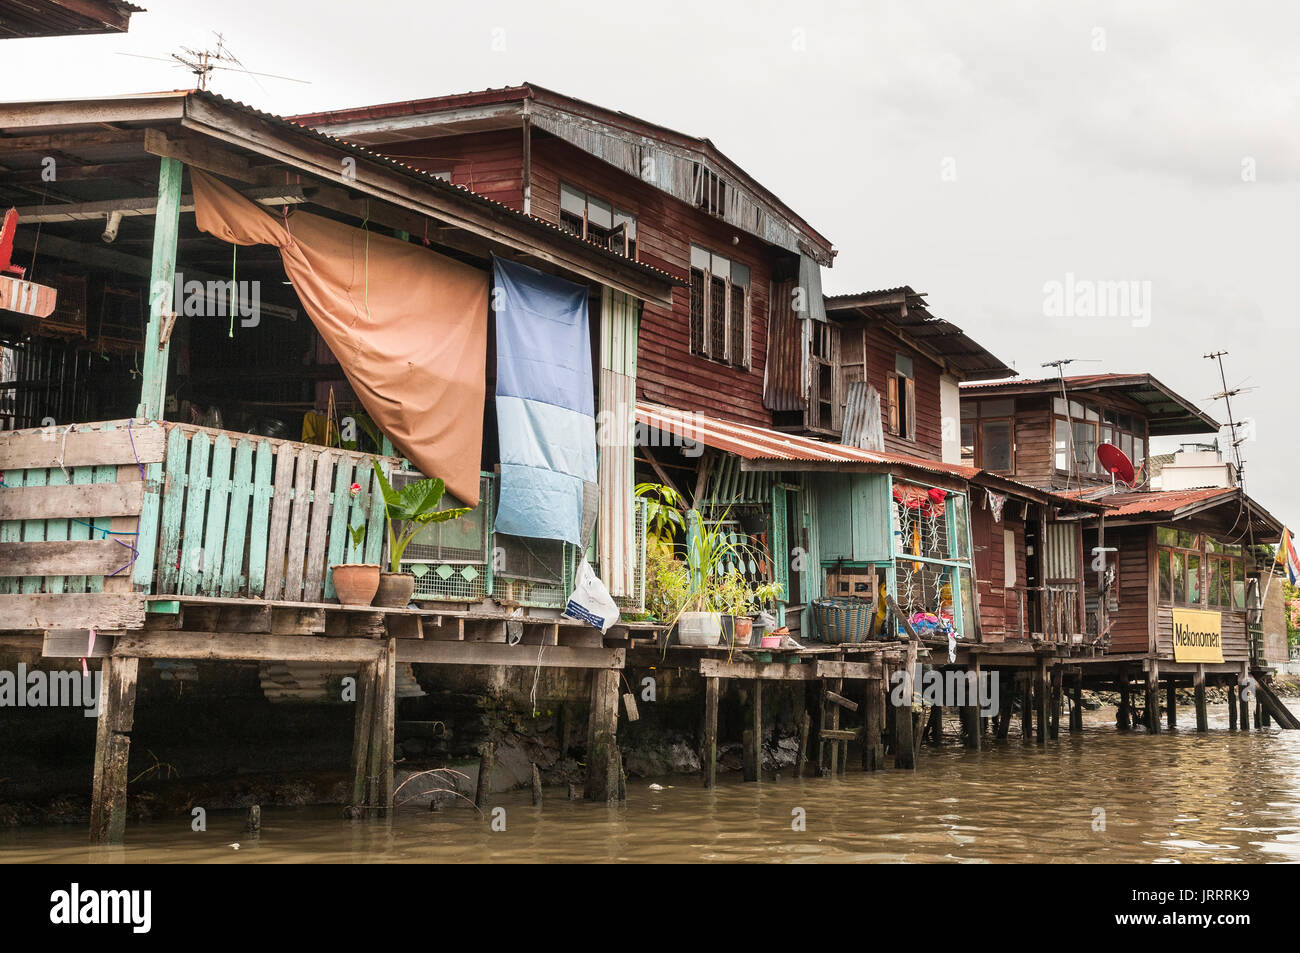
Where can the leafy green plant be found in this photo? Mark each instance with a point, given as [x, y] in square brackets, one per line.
[358, 534]
[665, 515]
[410, 511]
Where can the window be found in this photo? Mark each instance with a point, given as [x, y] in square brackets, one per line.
[988, 429]
[597, 221]
[1195, 570]
[1092, 426]
[902, 399]
[720, 308]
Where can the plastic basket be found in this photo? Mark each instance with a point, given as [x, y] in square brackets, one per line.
[843, 620]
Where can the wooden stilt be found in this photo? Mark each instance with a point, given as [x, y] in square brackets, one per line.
[1124, 716]
[1076, 705]
[905, 745]
[362, 729]
[1171, 703]
[113, 750]
[1232, 689]
[890, 710]
[384, 724]
[972, 709]
[1025, 680]
[711, 732]
[873, 748]
[1153, 697]
[805, 726]
[537, 785]
[1006, 701]
[1043, 700]
[603, 759]
[933, 733]
[1054, 728]
[1198, 689]
[1243, 702]
[486, 762]
[753, 738]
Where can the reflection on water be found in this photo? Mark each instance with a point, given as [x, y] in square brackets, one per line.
[1176, 798]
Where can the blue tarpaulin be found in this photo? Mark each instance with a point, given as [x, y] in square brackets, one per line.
[545, 404]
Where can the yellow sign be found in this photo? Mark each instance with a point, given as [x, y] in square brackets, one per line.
[1198, 636]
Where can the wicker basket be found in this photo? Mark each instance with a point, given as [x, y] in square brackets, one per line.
[843, 620]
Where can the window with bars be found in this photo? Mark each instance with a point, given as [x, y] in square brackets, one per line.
[720, 308]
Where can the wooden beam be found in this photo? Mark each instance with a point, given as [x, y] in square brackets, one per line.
[239, 646]
[71, 501]
[604, 763]
[202, 154]
[499, 653]
[72, 141]
[61, 446]
[74, 643]
[71, 610]
[94, 557]
[153, 386]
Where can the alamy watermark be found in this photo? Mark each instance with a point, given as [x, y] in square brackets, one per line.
[948, 689]
[41, 689]
[1088, 298]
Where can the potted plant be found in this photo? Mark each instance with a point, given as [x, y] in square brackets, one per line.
[355, 584]
[407, 513]
[711, 558]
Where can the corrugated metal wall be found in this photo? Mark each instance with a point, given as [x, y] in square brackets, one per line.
[615, 429]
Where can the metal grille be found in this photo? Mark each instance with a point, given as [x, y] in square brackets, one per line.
[450, 560]
[717, 318]
[697, 311]
[738, 354]
[530, 572]
[923, 529]
[923, 587]
[636, 601]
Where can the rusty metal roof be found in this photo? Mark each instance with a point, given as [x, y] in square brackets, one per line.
[1168, 413]
[43, 18]
[907, 311]
[1156, 506]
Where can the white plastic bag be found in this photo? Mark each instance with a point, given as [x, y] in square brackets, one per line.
[591, 601]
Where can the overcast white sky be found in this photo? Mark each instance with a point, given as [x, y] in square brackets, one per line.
[976, 151]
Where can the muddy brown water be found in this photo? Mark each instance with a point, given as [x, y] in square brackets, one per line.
[1179, 797]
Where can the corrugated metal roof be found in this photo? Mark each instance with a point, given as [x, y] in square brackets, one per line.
[1161, 501]
[906, 310]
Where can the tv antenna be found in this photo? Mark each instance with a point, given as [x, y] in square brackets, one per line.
[1059, 364]
[203, 62]
[1226, 396]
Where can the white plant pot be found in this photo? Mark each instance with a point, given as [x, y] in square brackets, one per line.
[699, 628]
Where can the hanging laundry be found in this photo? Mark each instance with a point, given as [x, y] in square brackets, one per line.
[996, 500]
[545, 404]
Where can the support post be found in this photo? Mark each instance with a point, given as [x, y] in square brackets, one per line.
[1025, 680]
[710, 731]
[1124, 715]
[1243, 701]
[905, 743]
[805, 726]
[971, 713]
[1153, 696]
[1054, 727]
[1233, 688]
[753, 738]
[383, 726]
[537, 785]
[933, 732]
[873, 748]
[1006, 701]
[1076, 705]
[1171, 703]
[486, 761]
[603, 760]
[1202, 715]
[113, 750]
[361, 731]
[1044, 700]
[166, 227]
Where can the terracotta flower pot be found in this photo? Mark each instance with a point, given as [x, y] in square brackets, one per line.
[355, 583]
[395, 589]
[744, 629]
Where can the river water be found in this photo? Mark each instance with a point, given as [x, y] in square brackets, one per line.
[1180, 797]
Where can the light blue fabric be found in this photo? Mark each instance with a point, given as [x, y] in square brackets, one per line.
[545, 403]
[533, 434]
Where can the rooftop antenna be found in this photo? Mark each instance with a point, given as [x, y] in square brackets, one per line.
[1059, 364]
[1226, 396]
[203, 62]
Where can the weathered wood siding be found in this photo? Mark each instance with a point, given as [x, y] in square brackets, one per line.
[489, 163]
[1134, 614]
[882, 352]
[999, 604]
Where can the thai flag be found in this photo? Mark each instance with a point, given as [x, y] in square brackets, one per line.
[1286, 556]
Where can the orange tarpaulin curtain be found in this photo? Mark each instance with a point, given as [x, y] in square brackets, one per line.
[408, 326]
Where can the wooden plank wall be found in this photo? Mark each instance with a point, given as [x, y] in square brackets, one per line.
[1236, 645]
[667, 372]
[882, 351]
[1131, 627]
[489, 163]
[999, 609]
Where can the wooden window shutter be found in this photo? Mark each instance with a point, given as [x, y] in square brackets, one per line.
[911, 409]
[893, 403]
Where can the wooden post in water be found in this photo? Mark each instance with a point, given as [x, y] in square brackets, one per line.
[603, 760]
[362, 729]
[1006, 701]
[905, 743]
[486, 761]
[805, 726]
[1124, 715]
[873, 747]
[710, 752]
[1171, 703]
[934, 726]
[1076, 705]
[1025, 680]
[112, 750]
[384, 723]
[537, 785]
[1153, 696]
[753, 738]
[1230, 687]
[1198, 689]
[971, 712]
[890, 709]
[1042, 700]
[1243, 702]
[1058, 674]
